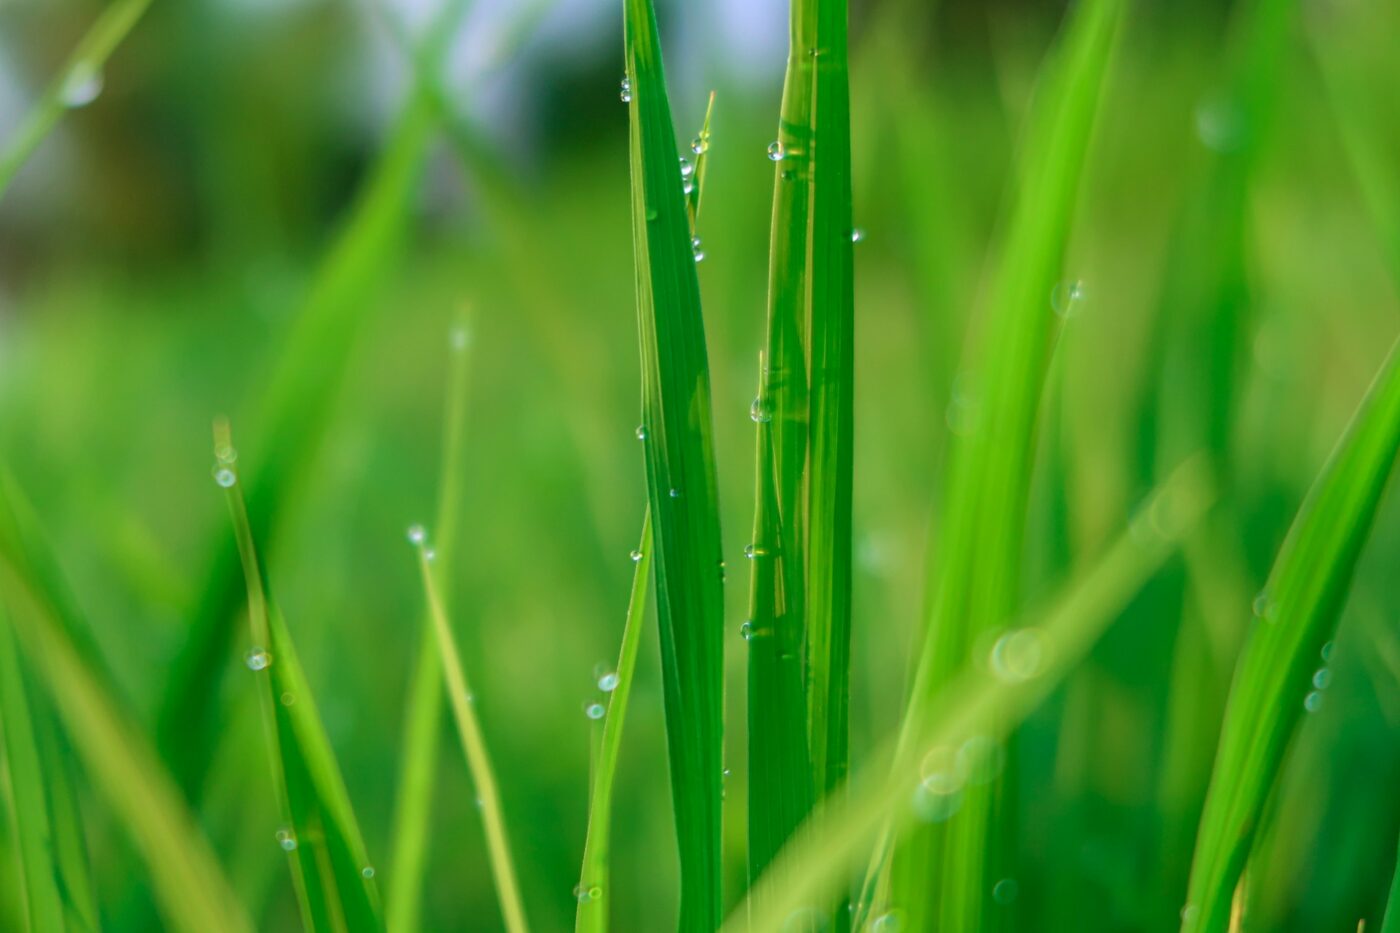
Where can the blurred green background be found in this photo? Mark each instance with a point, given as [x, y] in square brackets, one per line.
[158, 249]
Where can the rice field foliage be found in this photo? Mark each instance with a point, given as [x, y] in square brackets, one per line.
[902, 466]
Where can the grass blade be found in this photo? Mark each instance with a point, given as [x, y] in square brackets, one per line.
[594, 880]
[423, 718]
[473, 744]
[73, 85]
[1391, 923]
[979, 705]
[680, 466]
[330, 867]
[190, 886]
[1296, 616]
[976, 566]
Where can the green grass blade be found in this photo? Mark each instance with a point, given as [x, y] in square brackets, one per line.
[423, 718]
[680, 466]
[189, 884]
[296, 412]
[1391, 923]
[330, 867]
[1296, 616]
[28, 801]
[976, 568]
[595, 886]
[473, 745]
[956, 746]
[83, 67]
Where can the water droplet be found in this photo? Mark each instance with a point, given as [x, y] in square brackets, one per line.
[696, 248]
[288, 699]
[699, 145]
[1263, 607]
[82, 86]
[889, 922]
[687, 169]
[753, 551]
[417, 534]
[1323, 678]
[1067, 298]
[725, 773]
[675, 493]
[286, 840]
[636, 555]
[776, 152]
[934, 807]
[225, 477]
[857, 234]
[257, 659]
[1327, 651]
[980, 759]
[641, 432]
[595, 892]
[746, 630]
[652, 213]
[226, 453]
[759, 412]
[687, 186]
[459, 337]
[594, 710]
[1190, 913]
[1220, 123]
[1312, 702]
[625, 90]
[367, 872]
[1004, 891]
[608, 682]
[1018, 656]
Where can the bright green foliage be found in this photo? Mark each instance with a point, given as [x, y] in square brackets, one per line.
[1296, 615]
[800, 597]
[594, 884]
[331, 870]
[680, 466]
[976, 565]
[973, 714]
[1391, 923]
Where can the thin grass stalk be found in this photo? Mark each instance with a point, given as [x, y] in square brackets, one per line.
[462, 701]
[677, 435]
[886, 795]
[330, 867]
[1295, 617]
[423, 716]
[74, 85]
[1391, 921]
[594, 890]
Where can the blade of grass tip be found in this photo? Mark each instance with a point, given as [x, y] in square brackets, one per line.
[331, 871]
[594, 887]
[473, 742]
[296, 409]
[77, 84]
[678, 441]
[423, 717]
[189, 884]
[1296, 616]
[975, 570]
[958, 745]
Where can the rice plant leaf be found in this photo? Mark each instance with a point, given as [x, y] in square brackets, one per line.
[595, 884]
[423, 717]
[977, 708]
[1295, 616]
[473, 746]
[296, 410]
[331, 870]
[976, 567]
[680, 466]
[189, 884]
[73, 86]
[1391, 922]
